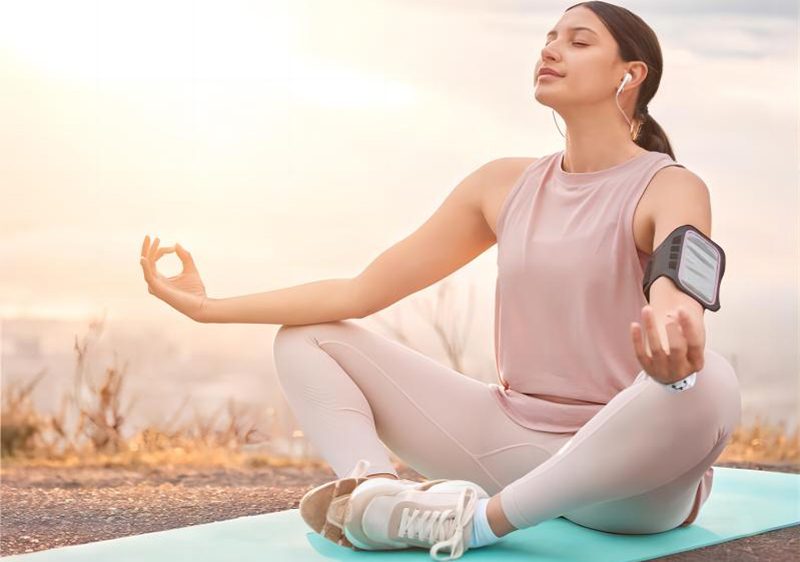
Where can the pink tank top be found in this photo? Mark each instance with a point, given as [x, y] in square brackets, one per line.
[569, 284]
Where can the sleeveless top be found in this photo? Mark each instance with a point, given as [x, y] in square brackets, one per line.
[569, 284]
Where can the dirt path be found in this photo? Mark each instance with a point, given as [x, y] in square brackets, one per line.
[47, 508]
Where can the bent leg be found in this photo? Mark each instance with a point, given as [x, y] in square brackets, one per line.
[354, 391]
[635, 466]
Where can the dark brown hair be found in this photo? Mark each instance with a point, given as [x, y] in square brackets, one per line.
[637, 42]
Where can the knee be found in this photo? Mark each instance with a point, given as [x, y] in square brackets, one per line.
[289, 347]
[289, 339]
[720, 380]
[282, 336]
[287, 334]
[292, 346]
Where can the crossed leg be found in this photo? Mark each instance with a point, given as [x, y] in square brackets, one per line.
[634, 467]
[355, 393]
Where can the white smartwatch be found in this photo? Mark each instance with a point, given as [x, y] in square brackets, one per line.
[681, 385]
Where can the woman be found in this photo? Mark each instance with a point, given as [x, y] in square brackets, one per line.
[583, 425]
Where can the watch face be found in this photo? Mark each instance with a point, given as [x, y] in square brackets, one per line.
[699, 267]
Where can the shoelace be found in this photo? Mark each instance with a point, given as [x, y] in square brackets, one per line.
[443, 525]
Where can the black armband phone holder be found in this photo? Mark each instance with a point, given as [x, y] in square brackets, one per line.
[693, 261]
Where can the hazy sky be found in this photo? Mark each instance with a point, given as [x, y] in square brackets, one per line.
[285, 142]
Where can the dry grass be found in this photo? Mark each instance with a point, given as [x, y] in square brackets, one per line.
[32, 438]
[97, 439]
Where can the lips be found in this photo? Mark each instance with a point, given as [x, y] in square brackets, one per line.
[549, 72]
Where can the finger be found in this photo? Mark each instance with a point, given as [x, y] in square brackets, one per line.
[677, 349]
[656, 350]
[145, 245]
[146, 270]
[152, 277]
[638, 345]
[186, 259]
[694, 338]
[676, 340]
[153, 249]
[164, 250]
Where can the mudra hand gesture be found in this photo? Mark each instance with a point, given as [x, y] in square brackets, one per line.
[685, 349]
[183, 292]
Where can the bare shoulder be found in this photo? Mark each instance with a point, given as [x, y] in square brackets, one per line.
[499, 176]
[673, 183]
[676, 177]
[670, 186]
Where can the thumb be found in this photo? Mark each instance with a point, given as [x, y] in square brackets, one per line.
[185, 257]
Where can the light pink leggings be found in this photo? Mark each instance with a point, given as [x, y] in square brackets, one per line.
[633, 468]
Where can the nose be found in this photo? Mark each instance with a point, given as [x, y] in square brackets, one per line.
[547, 53]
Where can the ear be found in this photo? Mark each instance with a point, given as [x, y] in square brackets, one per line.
[638, 70]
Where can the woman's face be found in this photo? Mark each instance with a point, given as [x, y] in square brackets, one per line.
[587, 58]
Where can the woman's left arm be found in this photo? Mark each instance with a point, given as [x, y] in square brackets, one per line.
[673, 321]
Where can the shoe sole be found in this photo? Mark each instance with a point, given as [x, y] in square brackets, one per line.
[315, 508]
[329, 501]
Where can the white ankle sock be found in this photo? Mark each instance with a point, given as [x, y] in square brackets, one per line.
[482, 533]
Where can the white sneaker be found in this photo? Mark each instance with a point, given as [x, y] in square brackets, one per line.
[439, 514]
[323, 507]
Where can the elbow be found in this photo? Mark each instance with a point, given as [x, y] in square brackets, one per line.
[360, 299]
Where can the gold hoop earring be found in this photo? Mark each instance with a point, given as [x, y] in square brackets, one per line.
[635, 136]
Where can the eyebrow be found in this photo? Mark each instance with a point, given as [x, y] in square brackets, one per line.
[577, 28]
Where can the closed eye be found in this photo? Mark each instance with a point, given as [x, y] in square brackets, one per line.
[574, 43]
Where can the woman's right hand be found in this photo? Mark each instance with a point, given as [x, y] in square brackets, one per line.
[183, 292]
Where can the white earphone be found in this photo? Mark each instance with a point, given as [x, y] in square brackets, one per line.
[625, 80]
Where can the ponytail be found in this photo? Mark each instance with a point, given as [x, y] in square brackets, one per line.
[652, 137]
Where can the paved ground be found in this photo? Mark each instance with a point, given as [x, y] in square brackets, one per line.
[48, 508]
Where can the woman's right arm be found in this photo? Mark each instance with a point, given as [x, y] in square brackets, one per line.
[454, 235]
[310, 303]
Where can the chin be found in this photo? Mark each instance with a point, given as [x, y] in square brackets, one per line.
[540, 95]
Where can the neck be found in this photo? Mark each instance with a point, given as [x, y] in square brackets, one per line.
[597, 139]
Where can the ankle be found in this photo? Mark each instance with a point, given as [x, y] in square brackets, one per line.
[498, 522]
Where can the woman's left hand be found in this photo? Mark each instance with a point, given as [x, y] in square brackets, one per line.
[685, 349]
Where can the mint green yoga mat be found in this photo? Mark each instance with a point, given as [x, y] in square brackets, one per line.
[742, 503]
